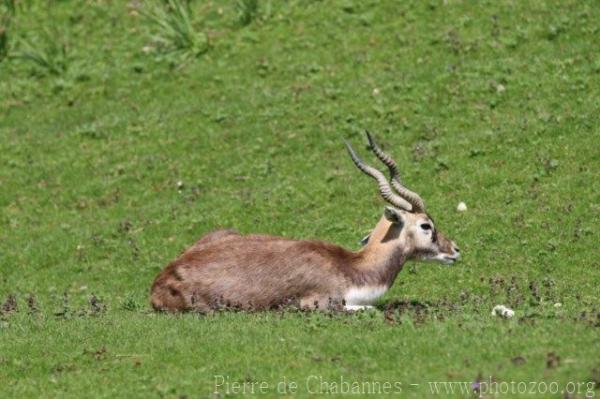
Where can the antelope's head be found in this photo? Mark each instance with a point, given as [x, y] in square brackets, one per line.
[409, 226]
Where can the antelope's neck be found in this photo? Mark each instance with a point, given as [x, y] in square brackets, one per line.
[382, 258]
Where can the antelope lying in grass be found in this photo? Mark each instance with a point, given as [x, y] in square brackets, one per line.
[225, 268]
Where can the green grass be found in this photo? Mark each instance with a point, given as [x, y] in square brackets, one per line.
[111, 167]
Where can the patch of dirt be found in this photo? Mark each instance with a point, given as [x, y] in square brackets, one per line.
[590, 318]
[96, 306]
[518, 360]
[10, 305]
[32, 305]
[552, 360]
[99, 354]
[418, 311]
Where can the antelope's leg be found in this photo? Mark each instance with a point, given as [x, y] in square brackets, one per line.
[358, 307]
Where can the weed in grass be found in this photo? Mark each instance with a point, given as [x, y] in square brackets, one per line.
[247, 11]
[48, 53]
[130, 303]
[9, 6]
[65, 311]
[175, 30]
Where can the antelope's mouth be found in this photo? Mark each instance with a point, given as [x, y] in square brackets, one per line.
[449, 260]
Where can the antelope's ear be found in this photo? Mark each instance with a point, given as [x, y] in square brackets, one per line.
[365, 240]
[393, 215]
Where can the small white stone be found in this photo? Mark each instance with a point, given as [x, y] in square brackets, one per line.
[375, 91]
[461, 207]
[500, 88]
[557, 305]
[501, 310]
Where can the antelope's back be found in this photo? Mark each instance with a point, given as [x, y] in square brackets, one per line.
[266, 269]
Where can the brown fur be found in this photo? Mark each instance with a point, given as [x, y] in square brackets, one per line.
[225, 268]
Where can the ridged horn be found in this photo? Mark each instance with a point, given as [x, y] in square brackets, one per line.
[413, 198]
[384, 186]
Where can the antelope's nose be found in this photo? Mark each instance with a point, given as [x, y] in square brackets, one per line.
[456, 251]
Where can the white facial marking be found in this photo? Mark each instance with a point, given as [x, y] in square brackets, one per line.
[446, 259]
[365, 295]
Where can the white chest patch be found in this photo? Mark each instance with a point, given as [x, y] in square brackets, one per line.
[365, 295]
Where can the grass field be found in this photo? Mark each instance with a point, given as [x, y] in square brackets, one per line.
[127, 131]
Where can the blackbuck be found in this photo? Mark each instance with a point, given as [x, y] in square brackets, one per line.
[227, 269]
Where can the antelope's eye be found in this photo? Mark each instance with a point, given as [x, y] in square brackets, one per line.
[426, 226]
